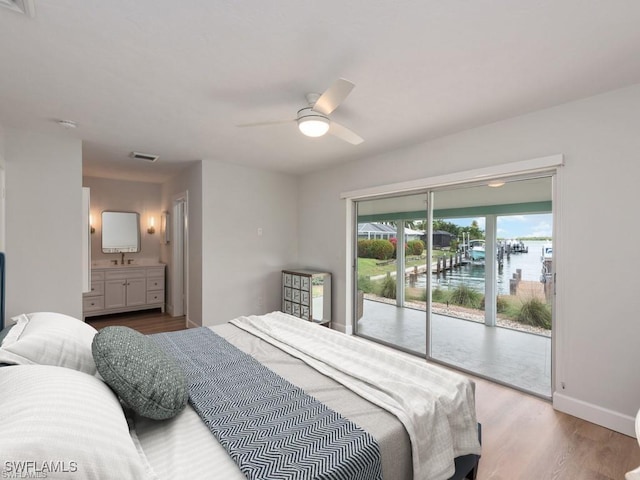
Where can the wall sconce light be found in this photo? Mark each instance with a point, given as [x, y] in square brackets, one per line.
[92, 229]
[151, 230]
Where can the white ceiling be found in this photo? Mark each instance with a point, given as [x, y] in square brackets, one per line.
[175, 78]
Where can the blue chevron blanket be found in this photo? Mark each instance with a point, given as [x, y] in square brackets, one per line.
[271, 428]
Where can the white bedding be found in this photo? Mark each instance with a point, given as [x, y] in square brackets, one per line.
[436, 406]
[185, 448]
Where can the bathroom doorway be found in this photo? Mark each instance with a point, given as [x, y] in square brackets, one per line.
[180, 255]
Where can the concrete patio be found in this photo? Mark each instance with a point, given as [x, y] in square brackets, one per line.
[509, 356]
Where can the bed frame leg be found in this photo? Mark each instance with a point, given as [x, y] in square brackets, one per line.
[474, 471]
[467, 465]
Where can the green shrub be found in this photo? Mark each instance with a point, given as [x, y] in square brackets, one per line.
[388, 287]
[439, 296]
[466, 297]
[416, 294]
[364, 249]
[378, 249]
[534, 312]
[502, 305]
[381, 249]
[366, 285]
[415, 247]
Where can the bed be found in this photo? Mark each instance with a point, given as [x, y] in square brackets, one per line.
[65, 416]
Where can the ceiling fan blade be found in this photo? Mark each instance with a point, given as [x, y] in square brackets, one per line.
[262, 124]
[333, 96]
[345, 134]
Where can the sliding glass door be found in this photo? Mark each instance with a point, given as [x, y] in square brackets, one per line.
[490, 314]
[463, 276]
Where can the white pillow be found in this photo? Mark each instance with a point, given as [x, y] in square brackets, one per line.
[66, 424]
[46, 338]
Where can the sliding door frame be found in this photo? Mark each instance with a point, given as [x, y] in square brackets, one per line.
[526, 169]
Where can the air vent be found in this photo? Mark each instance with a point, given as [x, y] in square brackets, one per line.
[26, 7]
[143, 156]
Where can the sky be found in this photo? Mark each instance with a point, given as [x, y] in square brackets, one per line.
[515, 226]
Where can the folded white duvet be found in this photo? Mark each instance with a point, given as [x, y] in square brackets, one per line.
[436, 406]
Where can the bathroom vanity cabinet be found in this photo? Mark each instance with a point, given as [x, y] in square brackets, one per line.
[124, 289]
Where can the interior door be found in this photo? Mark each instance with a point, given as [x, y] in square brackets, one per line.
[179, 266]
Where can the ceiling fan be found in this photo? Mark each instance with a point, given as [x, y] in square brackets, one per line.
[314, 121]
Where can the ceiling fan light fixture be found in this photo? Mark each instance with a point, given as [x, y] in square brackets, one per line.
[312, 124]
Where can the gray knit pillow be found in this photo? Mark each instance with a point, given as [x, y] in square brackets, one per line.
[144, 377]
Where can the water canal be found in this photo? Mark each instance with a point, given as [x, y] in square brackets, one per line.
[472, 274]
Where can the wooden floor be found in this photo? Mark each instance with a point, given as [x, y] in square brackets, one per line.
[147, 321]
[523, 437]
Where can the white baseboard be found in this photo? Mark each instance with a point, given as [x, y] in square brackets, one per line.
[341, 327]
[191, 324]
[592, 413]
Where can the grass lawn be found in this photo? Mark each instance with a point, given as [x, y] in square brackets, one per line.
[368, 267]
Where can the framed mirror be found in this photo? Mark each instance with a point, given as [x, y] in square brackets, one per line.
[120, 232]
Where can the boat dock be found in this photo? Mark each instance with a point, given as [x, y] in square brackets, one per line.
[447, 263]
[441, 265]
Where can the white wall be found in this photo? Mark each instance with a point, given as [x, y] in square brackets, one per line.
[241, 269]
[598, 329]
[2, 196]
[190, 181]
[141, 197]
[43, 223]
